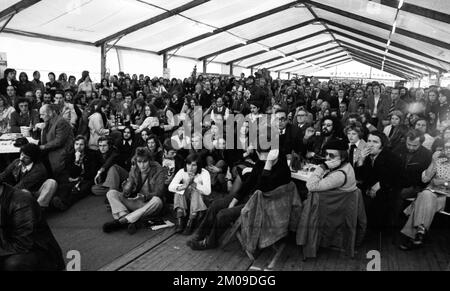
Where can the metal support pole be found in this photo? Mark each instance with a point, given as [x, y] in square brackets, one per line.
[231, 69]
[103, 60]
[205, 65]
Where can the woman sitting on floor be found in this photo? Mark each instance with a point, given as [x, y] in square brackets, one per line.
[190, 185]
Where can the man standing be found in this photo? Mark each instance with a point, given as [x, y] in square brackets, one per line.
[66, 110]
[56, 138]
[357, 100]
[37, 83]
[397, 103]
[207, 96]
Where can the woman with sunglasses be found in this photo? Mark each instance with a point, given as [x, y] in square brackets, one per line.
[335, 173]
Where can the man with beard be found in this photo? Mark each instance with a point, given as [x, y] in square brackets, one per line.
[415, 159]
[331, 128]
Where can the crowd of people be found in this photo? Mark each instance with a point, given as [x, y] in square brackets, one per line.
[133, 140]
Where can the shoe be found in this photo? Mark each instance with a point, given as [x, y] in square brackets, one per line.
[133, 228]
[179, 225]
[58, 204]
[113, 226]
[197, 245]
[189, 229]
[419, 238]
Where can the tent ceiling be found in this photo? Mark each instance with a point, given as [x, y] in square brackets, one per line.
[251, 33]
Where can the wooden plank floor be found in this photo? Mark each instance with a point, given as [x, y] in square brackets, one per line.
[174, 255]
[163, 250]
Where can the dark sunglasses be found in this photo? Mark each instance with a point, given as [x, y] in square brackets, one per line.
[331, 155]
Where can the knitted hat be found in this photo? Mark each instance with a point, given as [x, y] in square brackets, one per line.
[32, 151]
[336, 144]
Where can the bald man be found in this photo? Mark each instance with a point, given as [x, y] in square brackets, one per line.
[56, 137]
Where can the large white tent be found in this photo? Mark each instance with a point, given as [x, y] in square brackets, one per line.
[407, 39]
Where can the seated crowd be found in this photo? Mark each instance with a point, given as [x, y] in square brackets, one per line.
[152, 145]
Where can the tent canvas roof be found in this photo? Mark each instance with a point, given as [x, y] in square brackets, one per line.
[284, 35]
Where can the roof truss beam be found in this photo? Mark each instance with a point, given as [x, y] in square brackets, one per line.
[386, 69]
[380, 39]
[378, 24]
[310, 66]
[291, 54]
[275, 33]
[16, 8]
[46, 36]
[310, 61]
[305, 57]
[418, 10]
[151, 21]
[230, 26]
[337, 63]
[387, 63]
[279, 46]
[392, 52]
[317, 64]
[390, 59]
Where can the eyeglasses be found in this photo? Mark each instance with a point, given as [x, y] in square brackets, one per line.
[331, 155]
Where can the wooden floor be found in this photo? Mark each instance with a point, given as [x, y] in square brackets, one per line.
[163, 250]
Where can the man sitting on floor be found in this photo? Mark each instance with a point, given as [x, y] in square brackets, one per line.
[106, 177]
[26, 241]
[28, 173]
[78, 178]
[142, 195]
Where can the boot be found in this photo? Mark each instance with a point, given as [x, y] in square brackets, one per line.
[179, 225]
[189, 227]
[134, 227]
[200, 217]
[113, 226]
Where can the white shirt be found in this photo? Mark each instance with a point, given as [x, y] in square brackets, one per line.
[27, 168]
[202, 180]
[375, 108]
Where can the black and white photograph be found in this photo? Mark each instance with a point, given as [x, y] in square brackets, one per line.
[215, 139]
